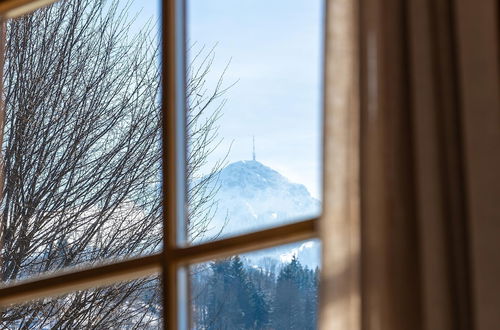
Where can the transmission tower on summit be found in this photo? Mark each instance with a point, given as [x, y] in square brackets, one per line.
[253, 154]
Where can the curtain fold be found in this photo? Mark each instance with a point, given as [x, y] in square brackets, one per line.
[477, 35]
[411, 223]
[430, 164]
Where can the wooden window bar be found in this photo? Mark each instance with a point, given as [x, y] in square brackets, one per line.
[105, 274]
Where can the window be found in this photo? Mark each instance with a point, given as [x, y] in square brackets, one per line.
[412, 91]
[180, 250]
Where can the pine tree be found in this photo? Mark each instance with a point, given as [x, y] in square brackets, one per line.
[260, 309]
[231, 295]
[242, 310]
[252, 306]
[288, 308]
[310, 297]
[221, 299]
[234, 301]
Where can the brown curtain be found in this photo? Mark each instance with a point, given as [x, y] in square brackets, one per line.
[428, 164]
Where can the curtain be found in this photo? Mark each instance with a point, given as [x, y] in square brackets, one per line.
[418, 174]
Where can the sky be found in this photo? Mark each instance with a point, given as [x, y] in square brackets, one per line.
[273, 53]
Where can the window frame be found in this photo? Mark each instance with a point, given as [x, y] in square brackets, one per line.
[173, 260]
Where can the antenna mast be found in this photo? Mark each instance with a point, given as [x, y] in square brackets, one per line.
[253, 154]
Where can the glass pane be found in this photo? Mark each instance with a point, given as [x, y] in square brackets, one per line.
[81, 137]
[269, 289]
[254, 114]
[129, 305]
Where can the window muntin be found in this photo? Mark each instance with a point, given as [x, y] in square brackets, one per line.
[171, 258]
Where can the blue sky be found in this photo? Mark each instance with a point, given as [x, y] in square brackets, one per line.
[274, 50]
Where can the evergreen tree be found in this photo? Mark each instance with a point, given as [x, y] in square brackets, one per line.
[260, 309]
[234, 301]
[310, 297]
[240, 288]
[288, 308]
[231, 295]
[221, 301]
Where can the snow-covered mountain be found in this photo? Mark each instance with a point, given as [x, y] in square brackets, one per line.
[252, 196]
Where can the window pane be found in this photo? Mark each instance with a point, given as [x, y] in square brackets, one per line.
[129, 305]
[254, 114]
[81, 140]
[270, 289]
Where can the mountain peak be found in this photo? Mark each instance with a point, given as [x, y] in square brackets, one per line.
[252, 196]
[253, 185]
[251, 174]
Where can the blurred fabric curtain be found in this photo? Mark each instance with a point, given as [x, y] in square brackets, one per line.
[411, 228]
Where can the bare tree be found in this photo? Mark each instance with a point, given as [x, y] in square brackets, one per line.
[82, 158]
